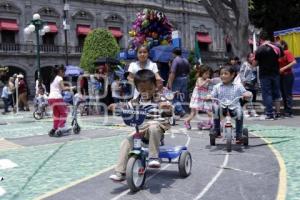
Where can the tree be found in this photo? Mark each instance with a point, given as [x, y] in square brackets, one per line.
[98, 43]
[232, 17]
[275, 15]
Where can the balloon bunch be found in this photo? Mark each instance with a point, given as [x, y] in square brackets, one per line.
[151, 28]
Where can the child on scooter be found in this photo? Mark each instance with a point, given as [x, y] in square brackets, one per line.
[55, 99]
[229, 90]
[152, 130]
[200, 91]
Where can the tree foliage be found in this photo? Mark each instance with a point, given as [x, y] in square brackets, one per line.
[232, 17]
[98, 43]
[275, 15]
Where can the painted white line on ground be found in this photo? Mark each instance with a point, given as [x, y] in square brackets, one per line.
[214, 179]
[2, 191]
[7, 164]
[165, 167]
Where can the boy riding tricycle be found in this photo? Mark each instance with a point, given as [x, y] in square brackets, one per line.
[135, 158]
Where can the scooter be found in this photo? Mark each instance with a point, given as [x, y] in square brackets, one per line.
[137, 162]
[75, 128]
[227, 130]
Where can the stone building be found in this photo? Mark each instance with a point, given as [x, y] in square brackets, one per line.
[19, 52]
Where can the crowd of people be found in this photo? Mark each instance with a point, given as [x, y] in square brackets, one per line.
[268, 68]
[15, 92]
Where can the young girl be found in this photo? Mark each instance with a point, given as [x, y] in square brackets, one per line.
[143, 62]
[59, 107]
[199, 93]
[229, 90]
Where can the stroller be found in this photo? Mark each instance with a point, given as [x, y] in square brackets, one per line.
[40, 107]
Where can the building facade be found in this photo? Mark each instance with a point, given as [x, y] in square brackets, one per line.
[18, 51]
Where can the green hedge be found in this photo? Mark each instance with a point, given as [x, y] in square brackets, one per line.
[98, 43]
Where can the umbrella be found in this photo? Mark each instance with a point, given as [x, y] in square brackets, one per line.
[72, 70]
[163, 53]
[107, 60]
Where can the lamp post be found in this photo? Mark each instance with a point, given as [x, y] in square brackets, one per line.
[66, 28]
[38, 26]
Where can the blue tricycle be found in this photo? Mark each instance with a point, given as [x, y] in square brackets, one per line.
[137, 162]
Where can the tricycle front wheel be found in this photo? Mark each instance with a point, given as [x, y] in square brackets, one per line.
[135, 173]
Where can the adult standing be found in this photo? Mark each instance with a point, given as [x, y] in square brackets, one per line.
[12, 90]
[5, 98]
[22, 89]
[143, 62]
[266, 56]
[286, 64]
[178, 80]
[59, 107]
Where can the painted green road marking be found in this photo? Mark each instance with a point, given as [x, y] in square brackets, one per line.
[45, 168]
[287, 141]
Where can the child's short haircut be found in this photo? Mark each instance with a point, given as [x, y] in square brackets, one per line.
[144, 75]
[228, 68]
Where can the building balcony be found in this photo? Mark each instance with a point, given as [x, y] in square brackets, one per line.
[19, 49]
[9, 47]
[57, 50]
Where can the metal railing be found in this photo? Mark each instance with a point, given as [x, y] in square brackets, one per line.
[77, 50]
[31, 48]
[9, 47]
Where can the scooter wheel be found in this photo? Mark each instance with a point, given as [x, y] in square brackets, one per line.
[58, 133]
[185, 164]
[76, 129]
[135, 173]
[37, 115]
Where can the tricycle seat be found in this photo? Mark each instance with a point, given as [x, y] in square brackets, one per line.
[169, 152]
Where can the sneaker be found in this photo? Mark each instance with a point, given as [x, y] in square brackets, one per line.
[206, 126]
[217, 134]
[187, 125]
[247, 115]
[278, 116]
[238, 141]
[268, 117]
[254, 115]
[288, 115]
[118, 177]
[154, 163]
[52, 132]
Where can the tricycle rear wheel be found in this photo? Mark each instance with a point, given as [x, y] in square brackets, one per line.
[185, 164]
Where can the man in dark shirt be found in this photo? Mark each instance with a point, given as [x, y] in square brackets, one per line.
[178, 80]
[266, 57]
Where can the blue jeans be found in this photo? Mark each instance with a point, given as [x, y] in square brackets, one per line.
[270, 88]
[180, 85]
[237, 113]
[6, 102]
[287, 82]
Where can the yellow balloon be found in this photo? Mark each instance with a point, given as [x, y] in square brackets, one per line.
[132, 33]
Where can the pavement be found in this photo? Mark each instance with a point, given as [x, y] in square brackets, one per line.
[36, 166]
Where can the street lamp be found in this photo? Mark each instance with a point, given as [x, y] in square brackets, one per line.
[40, 28]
